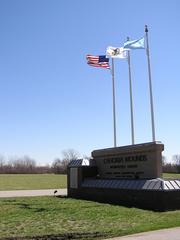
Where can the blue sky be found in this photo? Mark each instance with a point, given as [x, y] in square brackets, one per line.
[52, 100]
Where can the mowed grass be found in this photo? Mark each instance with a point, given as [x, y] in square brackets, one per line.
[32, 181]
[171, 175]
[43, 181]
[40, 216]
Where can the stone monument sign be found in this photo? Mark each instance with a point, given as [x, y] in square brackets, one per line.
[129, 175]
[130, 162]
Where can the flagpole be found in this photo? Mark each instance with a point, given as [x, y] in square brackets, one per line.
[131, 97]
[114, 104]
[150, 85]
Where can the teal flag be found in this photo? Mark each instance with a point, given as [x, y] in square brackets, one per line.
[135, 44]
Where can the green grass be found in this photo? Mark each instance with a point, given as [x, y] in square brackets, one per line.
[32, 181]
[42, 181]
[171, 175]
[39, 216]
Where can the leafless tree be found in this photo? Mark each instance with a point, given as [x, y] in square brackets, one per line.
[176, 160]
[2, 161]
[57, 166]
[60, 165]
[21, 165]
[164, 160]
[70, 154]
[86, 157]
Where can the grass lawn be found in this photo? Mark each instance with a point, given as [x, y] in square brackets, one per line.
[42, 181]
[171, 175]
[41, 216]
[32, 181]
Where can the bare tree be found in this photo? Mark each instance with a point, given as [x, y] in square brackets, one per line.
[86, 157]
[21, 165]
[70, 154]
[2, 161]
[60, 165]
[57, 166]
[164, 161]
[176, 160]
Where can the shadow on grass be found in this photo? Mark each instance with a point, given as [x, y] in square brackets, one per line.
[62, 196]
[66, 236]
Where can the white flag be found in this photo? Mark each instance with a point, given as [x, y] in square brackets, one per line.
[117, 52]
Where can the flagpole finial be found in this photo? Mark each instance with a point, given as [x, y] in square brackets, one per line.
[146, 28]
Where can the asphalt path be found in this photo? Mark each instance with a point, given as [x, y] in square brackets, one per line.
[33, 193]
[163, 234]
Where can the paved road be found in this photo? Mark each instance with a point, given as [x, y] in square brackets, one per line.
[33, 193]
[165, 234]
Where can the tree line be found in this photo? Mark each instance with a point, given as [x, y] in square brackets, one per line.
[173, 166]
[27, 165]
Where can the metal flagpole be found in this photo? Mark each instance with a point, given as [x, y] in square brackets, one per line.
[150, 85]
[114, 104]
[131, 98]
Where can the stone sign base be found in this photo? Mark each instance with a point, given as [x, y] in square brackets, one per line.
[128, 176]
[155, 194]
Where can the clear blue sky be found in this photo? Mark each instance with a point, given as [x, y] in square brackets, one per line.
[51, 100]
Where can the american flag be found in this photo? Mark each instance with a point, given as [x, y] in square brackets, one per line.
[98, 61]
